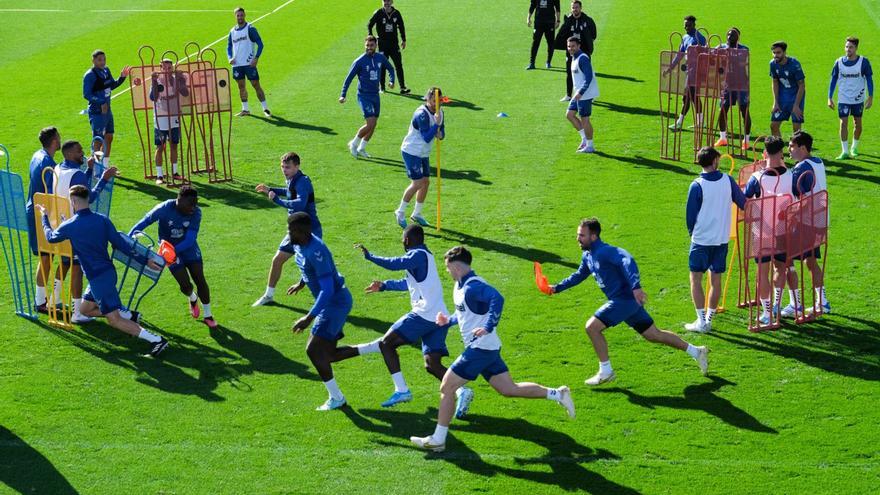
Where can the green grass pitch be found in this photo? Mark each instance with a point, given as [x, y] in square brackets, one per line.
[793, 411]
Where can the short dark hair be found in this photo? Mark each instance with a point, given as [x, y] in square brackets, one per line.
[47, 134]
[592, 224]
[68, 145]
[430, 94]
[187, 192]
[780, 44]
[79, 191]
[458, 253]
[853, 40]
[578, 2]
[735, 29]
[238, 9]
[773, 145]
[574, 39]
[299, 221]
[370, 37]
[803, 138]
[415, 233]
[290, 157]
[690, 18]
[97, 53]
[707, 156]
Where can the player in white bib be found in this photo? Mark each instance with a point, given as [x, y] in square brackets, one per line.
[587, 89]
[243, 49]
[854, 74]
[166, 90]
[427, 123]
[477, 312]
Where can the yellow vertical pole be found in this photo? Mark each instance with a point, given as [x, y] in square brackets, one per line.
[439, 178]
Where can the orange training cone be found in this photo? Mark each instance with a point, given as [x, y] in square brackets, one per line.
[541, 280]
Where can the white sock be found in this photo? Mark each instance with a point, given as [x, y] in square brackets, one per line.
[680, 120]
[333, 389]
[40, 296]
[554, 394]
[746, 139]
[401, 210]
[362, 145]
[417, 209]
[820, 295]
[270, 292]
[265, 105]
[368, 348]
[583, 134]
[244, 106]
[76, 305]
[723, 134]
[710, 313]
[193, 297]
[693, 351]
[589, 143]
[777, 296]
[701, 315]
[174, 168]
[56, 292]
[765, 305]
[399, 382]
[206, 310]
[699, 120]
[439, 435]
[159, 173]
[149, 337]
[605, 368]
[356, 141]
[844, 145]
[855, 143]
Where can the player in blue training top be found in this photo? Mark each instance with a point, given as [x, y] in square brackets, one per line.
[739, 98]
[477, 312]
[297, 195]
[788, 89]
[243, 48]
[179, 222]
[44, 158]
[426, 298]
[855, 74]
[586, 90]
[332, 304]
[98, 84]
[89, 233]
[691, 37]
[428, 122]
[618, 276]
[367, 68]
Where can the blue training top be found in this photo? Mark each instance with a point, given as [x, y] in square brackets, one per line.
[367, 68]
[481, 298]
[788, 76]
[39, 162]
[300, 196]
[175, 227]
[97, 86]
[319, 273]
[414, 261]
[89, 234]
[614, 268]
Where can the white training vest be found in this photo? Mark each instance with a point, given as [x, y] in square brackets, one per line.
[62, 181]
[243, 49]
[770, 186]
[713, 220]
[819, 181]
[851, 83]
[414, 143]
[166, 107]
[468, 321]
[579, 79]
[426, 296]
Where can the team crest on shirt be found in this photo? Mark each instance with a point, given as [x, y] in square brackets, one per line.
[186, 224]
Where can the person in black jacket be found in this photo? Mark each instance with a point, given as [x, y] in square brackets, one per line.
[581, 26]
[546, 14]
[388, 21]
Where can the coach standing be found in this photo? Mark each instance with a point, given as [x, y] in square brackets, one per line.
[581, 26]
[98, 84]
[546, 13]
[388, 22]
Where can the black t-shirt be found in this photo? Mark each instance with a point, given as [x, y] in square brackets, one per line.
[544, 11]
[387, 26]
[583, 26]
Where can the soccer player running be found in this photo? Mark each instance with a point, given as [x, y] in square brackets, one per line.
[855, 74]
[166, 88]
[788, 89]
[774, 179]
[546, 13]
[807, 177]
[243, 48]
[68, 174]
[179, 222]
[478, 308]
[581, 26]
[297, 195]
[426, 297]
[427, 123]
[691, 37]
[739, 98]
[388, 22]
[98, 84]
[708, 223]
[332, 304]
[367, 68]
[581, 106]
[89, 233]
[44, 158]
[618, 276]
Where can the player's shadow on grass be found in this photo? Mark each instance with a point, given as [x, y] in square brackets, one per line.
[615, 107]
[651, 163]
[845, 169]
[827, 344]
[524, 253]
[562, 465]
[236, 194]
[282, 122]
[468, 175]
[618, 77]
[700, 397]
[25, 470]
[453, 102]
[261, 358]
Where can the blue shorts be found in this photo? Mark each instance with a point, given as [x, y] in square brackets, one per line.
[584, 107]
[844, 110]
[32, 232]
[729, 98]
[102, 123]
[416, 166]
[160, 136]
[240, 72]
[191, 256]
[329, 322]
[412, 327]
[705, 258]
[630, 311]
[475, 362]
[784, 112]
[102, 290]
[369, 105]
[815, 253]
